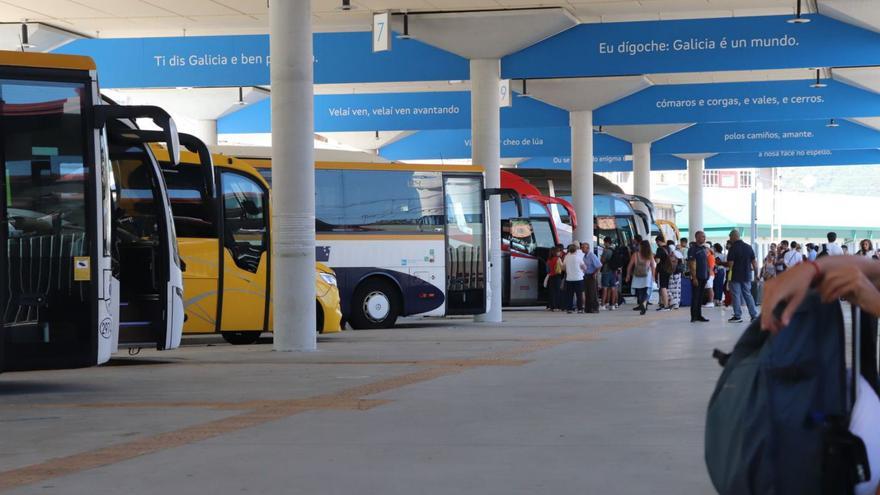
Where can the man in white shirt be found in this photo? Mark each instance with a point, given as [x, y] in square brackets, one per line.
[574, 278]
[832, 247]
[793, 256]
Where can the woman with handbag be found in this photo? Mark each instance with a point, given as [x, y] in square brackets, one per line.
[641, 270]
[555, 279]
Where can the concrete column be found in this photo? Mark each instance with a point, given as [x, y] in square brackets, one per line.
[486, 151]
[695, 195]
[206, 130]
[582, 173]
[642, 169]
[293, 176]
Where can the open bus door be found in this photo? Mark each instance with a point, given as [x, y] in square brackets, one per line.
[146, 265]
[60, 296]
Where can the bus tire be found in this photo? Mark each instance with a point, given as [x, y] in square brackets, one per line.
[319, 318]
[376, 304]
[241, 338]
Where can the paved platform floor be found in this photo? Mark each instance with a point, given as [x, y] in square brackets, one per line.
[546, 403]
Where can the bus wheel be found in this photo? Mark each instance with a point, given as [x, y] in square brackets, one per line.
[241, 338]
[319, 318]
[376, 304]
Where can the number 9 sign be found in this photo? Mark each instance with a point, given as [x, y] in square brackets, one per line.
[504, 93]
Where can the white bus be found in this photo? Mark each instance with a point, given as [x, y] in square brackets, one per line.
[82, 255]
[403, 239]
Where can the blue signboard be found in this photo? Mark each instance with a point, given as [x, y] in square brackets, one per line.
[515, 143]
[601, 163]
[395, 112]
[605, 163]
[695, 45]
[244, 61]
[741, 101]
[769, 136]
[794, 158]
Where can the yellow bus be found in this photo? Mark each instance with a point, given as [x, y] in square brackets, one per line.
[227, 285]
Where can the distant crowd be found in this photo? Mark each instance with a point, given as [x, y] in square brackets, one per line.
[585, 280]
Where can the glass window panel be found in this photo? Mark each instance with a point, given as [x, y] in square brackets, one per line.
[191, 207]
[244, 212]
[372, 201]
[46, 207]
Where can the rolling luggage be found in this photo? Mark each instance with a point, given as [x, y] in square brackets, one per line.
[778, 421]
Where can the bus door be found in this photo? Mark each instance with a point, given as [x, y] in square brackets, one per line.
[466, 258]
[194, 205]
[245, 276]
[144, 242]
[49, 301]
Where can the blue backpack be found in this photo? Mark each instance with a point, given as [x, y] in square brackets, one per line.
[778, 420]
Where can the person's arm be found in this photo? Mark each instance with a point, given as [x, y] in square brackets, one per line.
[791, 286]
[755, 268]
[629, 268]
[692, 267]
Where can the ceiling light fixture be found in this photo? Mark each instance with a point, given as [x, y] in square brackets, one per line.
[797, 19]
[818, 83]
[525, 90]
[346, 5]
[241, 101]
[832, 123]
[405, 35]
[25, 41]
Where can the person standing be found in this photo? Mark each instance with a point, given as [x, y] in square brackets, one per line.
[699, 270]
[556, 280]
[720, 283]
[866, 249]
[664, 261]
[678, 271]
[710, 284]
[641, 270]
[812, 252]
[769, 269]
[832, 247]
[781, 251]
[608, 276]
[793, 257]
[574, 279]
[592, 265]
[742, 263]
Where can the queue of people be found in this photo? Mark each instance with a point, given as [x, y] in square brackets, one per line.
[573, 277]
[584, 280]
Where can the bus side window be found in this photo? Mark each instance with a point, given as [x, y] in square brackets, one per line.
[244, 216]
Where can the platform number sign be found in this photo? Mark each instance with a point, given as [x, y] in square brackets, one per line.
[504, 93]
[381, 32]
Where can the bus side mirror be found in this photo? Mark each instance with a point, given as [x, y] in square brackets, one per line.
[520, 211]
[167, 134]
[198, 147]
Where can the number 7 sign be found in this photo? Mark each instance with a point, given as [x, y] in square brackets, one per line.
[381, 31]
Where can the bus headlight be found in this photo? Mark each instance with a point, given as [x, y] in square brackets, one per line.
[328, 278]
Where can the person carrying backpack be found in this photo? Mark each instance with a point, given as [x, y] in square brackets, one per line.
[640, 272]
[608, 278]
[665, 268]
